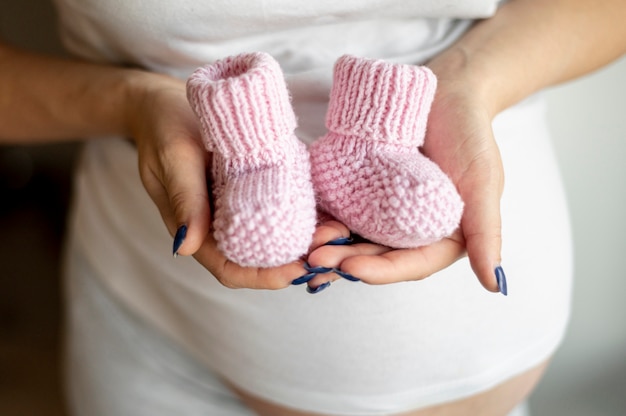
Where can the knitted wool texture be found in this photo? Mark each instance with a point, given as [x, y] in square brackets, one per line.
[265, 210]
[368, 171]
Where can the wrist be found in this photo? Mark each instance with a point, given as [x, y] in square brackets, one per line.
[137, 96]
[460, 71]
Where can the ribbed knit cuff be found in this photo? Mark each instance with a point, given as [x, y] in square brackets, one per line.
[243, 104]
[381, 101]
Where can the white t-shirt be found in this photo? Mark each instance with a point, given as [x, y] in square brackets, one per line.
[353, 349]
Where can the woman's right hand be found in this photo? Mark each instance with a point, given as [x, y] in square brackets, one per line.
[460, 140]
[173, 166]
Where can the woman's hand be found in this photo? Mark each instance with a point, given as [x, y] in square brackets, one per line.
[460, 140]
[528, 45]
[498, 62]
[173, 165]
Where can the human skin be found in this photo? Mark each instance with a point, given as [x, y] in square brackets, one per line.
[528, 45]
[498, 401]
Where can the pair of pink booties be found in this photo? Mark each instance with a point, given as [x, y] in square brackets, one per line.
[367, 171]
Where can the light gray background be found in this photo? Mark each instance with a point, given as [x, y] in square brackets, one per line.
[588, 120]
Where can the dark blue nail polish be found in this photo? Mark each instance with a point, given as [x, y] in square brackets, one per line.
[303, 279]
[501, 279]
[346, 276]
[179, 238]
[317, 269]
[317, 289]
[342, 241]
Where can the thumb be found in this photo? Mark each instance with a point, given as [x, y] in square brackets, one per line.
[482, 224]
[188, 197]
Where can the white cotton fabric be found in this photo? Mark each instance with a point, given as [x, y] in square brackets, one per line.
[120, 365]
[353, 349]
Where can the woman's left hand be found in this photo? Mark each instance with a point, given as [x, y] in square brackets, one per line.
[460, 140]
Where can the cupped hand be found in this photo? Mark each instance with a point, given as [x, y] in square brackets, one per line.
[173, 166]
[460, 140]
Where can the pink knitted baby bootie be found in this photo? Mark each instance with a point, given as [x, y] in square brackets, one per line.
[367, 170]
[264, 203]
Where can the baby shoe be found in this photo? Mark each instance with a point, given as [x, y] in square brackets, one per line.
[265, 211]
[368, 171]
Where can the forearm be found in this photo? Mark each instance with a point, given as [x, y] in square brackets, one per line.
[532, 44]
[46, 98]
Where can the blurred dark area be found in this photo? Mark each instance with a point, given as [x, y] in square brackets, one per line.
[35, 187]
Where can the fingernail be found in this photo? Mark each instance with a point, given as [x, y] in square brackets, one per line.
[347, 276]
[179, 238]
[342, 241]
[303, 279]
[317, 289]
[317, 269]
[501, 279]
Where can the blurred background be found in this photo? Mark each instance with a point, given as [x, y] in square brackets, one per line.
[588, 120]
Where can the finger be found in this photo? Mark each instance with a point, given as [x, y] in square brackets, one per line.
[481, 223]
[404, 265]
[158, 194]
[188, 194]
[329, 231]
[234, 276]
[262, 278]
[333, 256]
